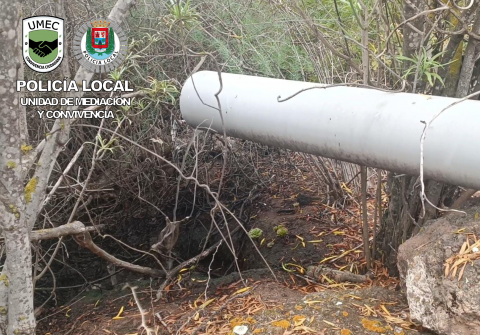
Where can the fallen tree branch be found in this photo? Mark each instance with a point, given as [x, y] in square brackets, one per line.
[463, 198]
[73, 228]
[85, 241]
[318, 272]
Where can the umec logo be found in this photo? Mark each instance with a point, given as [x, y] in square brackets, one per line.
[100, 46]
[43, 42]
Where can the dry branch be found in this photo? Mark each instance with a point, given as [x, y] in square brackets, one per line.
[318, 272]
[73, 228]
[85, 241]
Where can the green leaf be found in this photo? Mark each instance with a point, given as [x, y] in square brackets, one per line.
[437, 76]
[437, 55]
[400, 58]
[429, 77]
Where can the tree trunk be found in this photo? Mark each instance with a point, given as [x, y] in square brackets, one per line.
[16, 286]
[405, 216]
[18, 213]
[469, 59]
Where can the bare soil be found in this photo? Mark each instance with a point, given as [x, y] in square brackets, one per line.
[317, 233]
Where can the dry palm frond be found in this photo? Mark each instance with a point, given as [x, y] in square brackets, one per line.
[468, 253]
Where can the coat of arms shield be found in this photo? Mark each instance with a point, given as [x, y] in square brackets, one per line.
[100, 38]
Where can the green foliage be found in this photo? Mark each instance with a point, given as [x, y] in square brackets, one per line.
[106, 146]
[181, 13]
[255, 233]
[427, 66]
[117, 73]
[255, 37]
[164, 90]
[281, 231]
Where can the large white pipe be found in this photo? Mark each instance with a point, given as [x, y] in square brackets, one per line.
[363, 126]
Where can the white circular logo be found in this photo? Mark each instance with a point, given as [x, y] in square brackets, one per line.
[100, 46]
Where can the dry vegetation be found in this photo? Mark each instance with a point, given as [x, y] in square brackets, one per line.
[164, 200]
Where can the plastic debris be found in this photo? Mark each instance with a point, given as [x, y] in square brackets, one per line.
[240, 330]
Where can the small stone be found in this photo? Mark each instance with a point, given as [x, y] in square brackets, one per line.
[240, 330]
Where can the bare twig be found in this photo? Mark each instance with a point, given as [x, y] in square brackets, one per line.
[423, 196]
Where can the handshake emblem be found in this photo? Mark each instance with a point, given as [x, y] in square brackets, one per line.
[43, 48]
[42, 42]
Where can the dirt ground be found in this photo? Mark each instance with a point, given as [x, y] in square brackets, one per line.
[266, 307]
[316, 233]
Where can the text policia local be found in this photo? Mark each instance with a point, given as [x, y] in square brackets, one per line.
[72, 86]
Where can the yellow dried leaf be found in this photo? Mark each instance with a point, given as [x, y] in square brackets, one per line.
[206, 303]
[329, 323]
[344, 186]
[245, 289]
[313, 302]
[385, 310]
[298, 320]
[236, 322]
[305, 329]
[454, 272]
[199, 280]
[299, 267]
[345, 332]
[119, 314]
[281, 323]
[327, 259]
[373, 325]
[461, 272]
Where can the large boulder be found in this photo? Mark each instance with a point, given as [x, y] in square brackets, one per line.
[444, 305]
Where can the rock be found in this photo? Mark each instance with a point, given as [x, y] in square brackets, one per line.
[444, 305]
